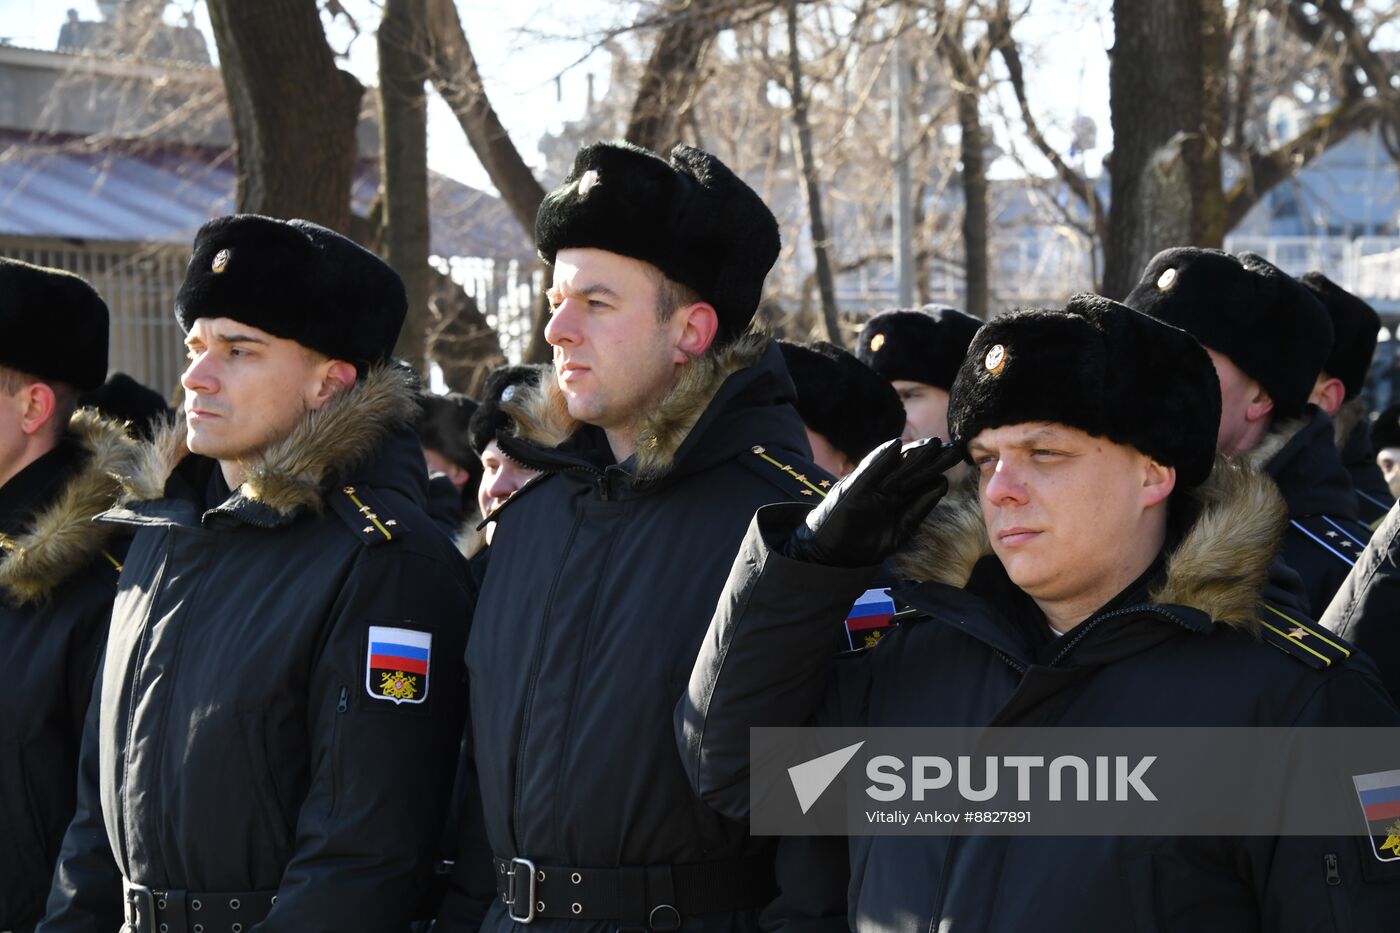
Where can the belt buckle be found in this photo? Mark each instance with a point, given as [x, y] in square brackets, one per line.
[513, 892]
[139, 905]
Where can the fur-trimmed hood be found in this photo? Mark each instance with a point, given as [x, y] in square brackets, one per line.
[1218, 567]
[291, 475]
[542, 418]
[62, 539]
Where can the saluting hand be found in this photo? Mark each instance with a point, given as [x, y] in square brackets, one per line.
[873, 512]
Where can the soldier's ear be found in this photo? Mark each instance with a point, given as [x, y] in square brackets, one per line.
[37, 403]
[697, 325]
[1261, 404]
[337, 376]
[1158, 481]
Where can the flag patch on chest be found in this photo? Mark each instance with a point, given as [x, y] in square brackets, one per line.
[396, 666]
[872, 613]
[1380, 802]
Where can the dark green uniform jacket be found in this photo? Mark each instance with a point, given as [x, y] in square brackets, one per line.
[283, 690]
[1187, 644]
[58, 573]
[601, 581]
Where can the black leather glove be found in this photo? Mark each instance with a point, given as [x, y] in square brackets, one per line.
[874, 510]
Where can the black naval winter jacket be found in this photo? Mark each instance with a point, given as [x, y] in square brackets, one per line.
[244, 738]
[58, 573]
[1324, 536]
[1179, 647]
[601, 581]
[1366, 610]
[1373, 497]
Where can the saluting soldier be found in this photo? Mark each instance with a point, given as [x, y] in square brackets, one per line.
[58, 571]
[1111, 577]
[666, 422]
[1355, 325]
[1269, 339]
[272, 742]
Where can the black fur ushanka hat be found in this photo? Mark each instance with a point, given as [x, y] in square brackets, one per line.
[500, 386]
[1355, 325]
[1098, 366]
[124, 399]
[927, 345]
[691, 217]
[53, 325]
[296, 280]
[842, 399]
[1246, 308]
[444, 426]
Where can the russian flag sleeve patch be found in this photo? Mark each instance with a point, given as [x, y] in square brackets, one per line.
[1380, 802]
[396, 664]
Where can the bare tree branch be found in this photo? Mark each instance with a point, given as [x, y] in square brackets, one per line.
[1267, 169]
[999, 28]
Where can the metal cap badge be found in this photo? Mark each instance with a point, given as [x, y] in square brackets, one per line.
[220, 262]
[995, 361]
[1167, 279]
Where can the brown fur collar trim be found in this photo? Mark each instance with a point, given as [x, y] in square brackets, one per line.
[541, 414]
[289, 475]
[62, 538]
[1219, 567]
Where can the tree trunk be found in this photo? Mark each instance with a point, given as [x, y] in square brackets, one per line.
[668, 84]
[293, 111]
[459, 338]
[1166, 79]
[455, 74]
[806, 164]
[974, 183]
[403, 127]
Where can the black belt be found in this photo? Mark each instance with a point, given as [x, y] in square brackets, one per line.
[151, 910]
[653, 897]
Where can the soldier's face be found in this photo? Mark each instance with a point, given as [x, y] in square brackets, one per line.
[925, 410]
[245, 389]
[500, 478]
[612, 356]
[1070, 516]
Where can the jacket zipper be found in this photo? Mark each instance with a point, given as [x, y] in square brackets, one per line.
[531, 676]
[1336, 894]
[1083, 629]
[342, 706]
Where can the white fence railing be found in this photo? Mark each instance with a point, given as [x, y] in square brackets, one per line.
[139, 283]
[1366, 266]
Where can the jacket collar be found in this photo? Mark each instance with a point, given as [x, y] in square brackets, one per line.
[697, 422]
[292, 476]
[1218, 567]
[1302, 457]
[61, 539]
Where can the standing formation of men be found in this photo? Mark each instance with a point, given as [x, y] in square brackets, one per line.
[261, 688]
